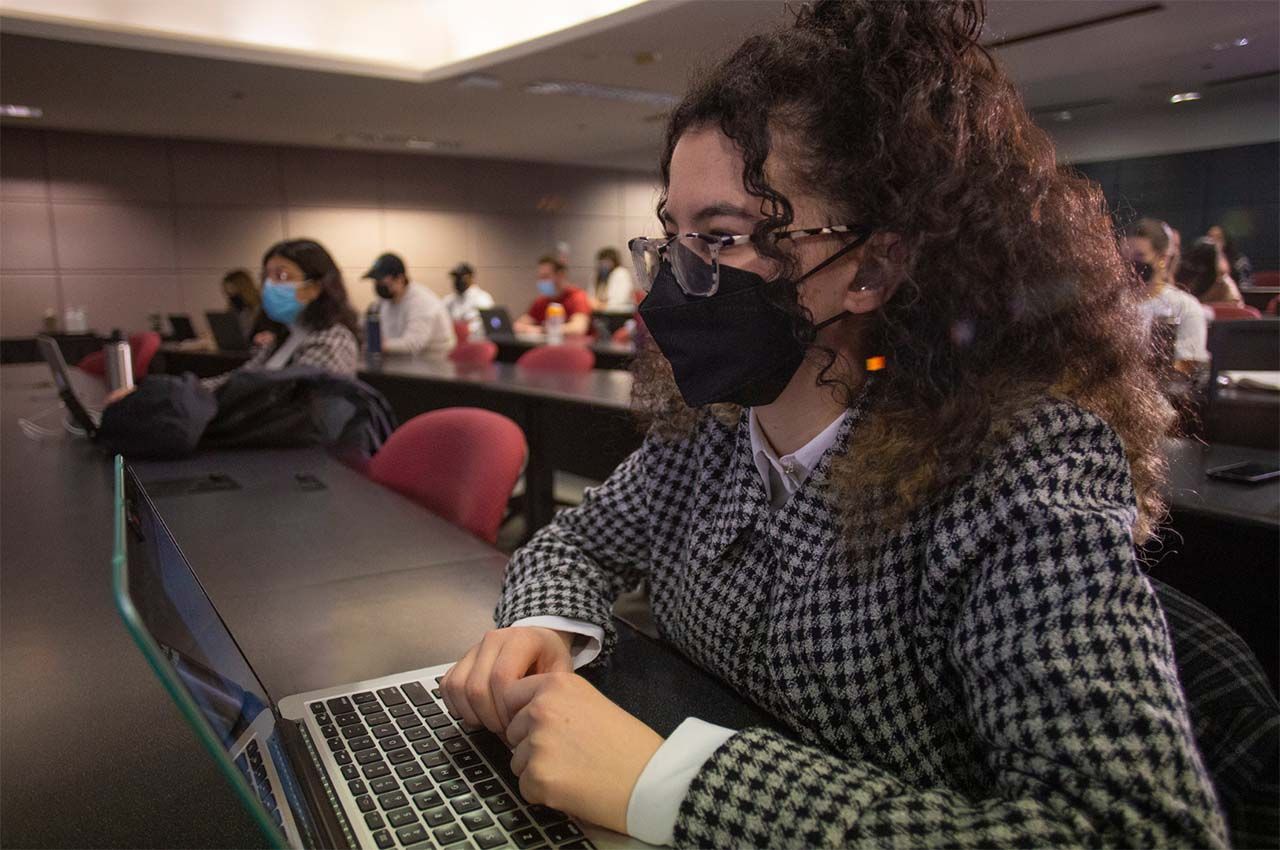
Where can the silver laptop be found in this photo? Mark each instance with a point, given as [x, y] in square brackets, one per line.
[82, 416]
[373, 764]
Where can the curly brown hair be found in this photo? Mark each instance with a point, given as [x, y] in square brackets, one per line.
[1011, 282]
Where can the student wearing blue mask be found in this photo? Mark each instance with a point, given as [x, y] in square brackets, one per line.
[554, 287]
[302, 289]
[904, 438]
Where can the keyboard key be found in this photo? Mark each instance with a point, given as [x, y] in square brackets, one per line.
[368, 756]
[384, 839]
[448, 732]
[400, 710]
[526, 837]
[489, 788]
[378, 718]
[418, 785]
[409, 769]
[347, 719]
[466, 758]
[342, 757]
[499, 804]
[402, 817]
[462, 805]
[477, 773]
[255, 754]
[323, 718]
[371, 708]
[444, 773]
[456, 788]
[544, 816]
[363, 697]
[514, 820]
[339, 705]
[417, 733]
[412, 834]
[384, 731]
[384, 785]
[434, 759]
[329, 730]
[488, 839]
[424, 747]
[269, 800]
[416, 693]
[438, 817]
[357, 787]
[562, 832]
[394, 800]
[453, 714]
[355, 730]
[316, 707]
[349, 772]
[469, 728]
[364, 742]
[438, 721]
[477, 820]
[336, 745]
[408, 721]
[584, 844]
[428, 800]
[375, 770]
[374, 820]
[435, 692]
[391, 696]
[458, 746]
[448, 834]
[399, 756]
[395, 742]
[365, 803]
[430, 710]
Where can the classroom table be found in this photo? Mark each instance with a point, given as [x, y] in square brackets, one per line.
[1259, 296]
[321, 585]
[75, 347]
[609, 354]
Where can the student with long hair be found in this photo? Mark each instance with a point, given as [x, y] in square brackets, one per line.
[904, 439]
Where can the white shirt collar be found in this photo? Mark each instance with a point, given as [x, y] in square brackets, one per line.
[782, 476]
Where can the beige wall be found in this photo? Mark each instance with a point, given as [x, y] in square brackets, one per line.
[127, 226]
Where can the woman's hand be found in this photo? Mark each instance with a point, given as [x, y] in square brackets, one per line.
[574, 749]
[264, 339]
[474, 686]
[117, 394]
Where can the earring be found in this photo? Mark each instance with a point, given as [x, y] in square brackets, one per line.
[875, 364]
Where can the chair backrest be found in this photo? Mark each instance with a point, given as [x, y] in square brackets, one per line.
[95, 363]
[143, 348]
[1273, 306]
[460, 463]
[558, 358]
[1266, 278]
[478, 353]
[1243, 345]
[462, 330]
[1234, 715]
[1223, 312]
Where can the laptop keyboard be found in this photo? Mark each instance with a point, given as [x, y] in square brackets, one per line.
[419, 777]
[255, 773]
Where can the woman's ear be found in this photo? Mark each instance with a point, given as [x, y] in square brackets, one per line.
[878, 274]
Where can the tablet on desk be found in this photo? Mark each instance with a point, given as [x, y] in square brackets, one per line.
[1246, 472]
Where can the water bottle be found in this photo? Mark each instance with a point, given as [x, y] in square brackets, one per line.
[373, 334]
[119, 362]
[554, 324]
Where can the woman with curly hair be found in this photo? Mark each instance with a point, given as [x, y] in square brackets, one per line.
[904, 435]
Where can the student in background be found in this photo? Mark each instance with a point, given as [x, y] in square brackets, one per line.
[245, 300]
[414, 320]
[1241, 267]
[1206, 274]
[467, 299]
[614, 284]
[902, 445]
[554, 287]
[1147, 244]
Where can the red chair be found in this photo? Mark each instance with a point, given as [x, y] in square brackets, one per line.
[558, 358]
[142, 350]
[480, 353]
[1266, 279]
[1231, 312]
[462, 330]
[460, 463]
[1273, 306]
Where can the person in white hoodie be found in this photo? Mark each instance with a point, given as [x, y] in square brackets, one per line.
[414, 320]
[467, 300]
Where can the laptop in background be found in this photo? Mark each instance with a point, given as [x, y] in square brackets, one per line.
[373, 764]
[227, 331]
[182, 328]
[497, 322]
[80, 415]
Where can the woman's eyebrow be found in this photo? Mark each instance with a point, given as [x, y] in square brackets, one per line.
[720, 209]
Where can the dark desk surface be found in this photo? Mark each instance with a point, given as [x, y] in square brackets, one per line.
[321, 587]
[609, 354]
[608, 388]
[1192, 491]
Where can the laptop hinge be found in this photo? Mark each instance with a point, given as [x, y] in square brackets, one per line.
[322, 800]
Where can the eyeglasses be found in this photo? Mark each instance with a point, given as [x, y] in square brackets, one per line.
[281, 276]
[689, 255]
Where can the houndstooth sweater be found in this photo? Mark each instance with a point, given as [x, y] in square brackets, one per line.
[992, 671]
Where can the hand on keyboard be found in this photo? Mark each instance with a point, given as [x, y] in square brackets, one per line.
[472, 688]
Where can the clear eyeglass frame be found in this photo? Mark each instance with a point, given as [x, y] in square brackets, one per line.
[690, 253]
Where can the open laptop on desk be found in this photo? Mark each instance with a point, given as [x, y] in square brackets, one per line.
[182, 328]
[227, 331]
[497, 322]
[372, 764]
[81, 417]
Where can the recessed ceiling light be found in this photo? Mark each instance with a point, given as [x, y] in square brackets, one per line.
[17, 110]
[655, 98]
[1242, 42]
[1183, 97]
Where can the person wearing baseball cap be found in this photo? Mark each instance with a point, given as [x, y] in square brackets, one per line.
[414, 320]
[467, 300]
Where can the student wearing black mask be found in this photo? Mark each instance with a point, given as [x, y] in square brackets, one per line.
[467, 299]
[903, 437]
[413, 318]
[245, 300]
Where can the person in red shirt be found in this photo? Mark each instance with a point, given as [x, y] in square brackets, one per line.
[553, 286]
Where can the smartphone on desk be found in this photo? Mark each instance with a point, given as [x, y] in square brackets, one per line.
[1246, 472]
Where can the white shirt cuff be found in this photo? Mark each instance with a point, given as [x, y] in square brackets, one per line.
[584, 650]
[655, 801]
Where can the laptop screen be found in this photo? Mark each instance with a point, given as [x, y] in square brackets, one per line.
[178, 628]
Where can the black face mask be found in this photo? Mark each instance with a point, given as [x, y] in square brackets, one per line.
[383, 290]
[736, 346]
[237, 302]
[1144, 270]
[461, 284]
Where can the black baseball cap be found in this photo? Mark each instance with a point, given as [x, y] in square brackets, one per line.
[461, 269]
[388, 265]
